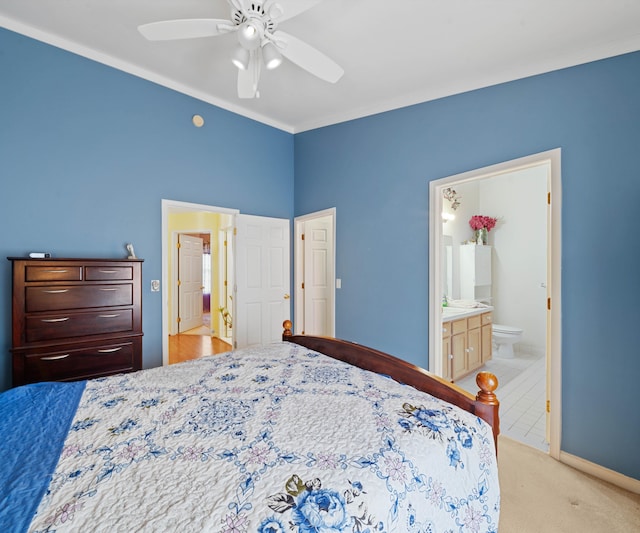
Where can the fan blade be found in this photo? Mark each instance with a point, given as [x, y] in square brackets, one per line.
[307, 57]
[248, 79]
[289, 8]
[168, 30]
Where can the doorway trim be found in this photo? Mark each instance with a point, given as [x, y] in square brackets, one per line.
[554, 261]
[298, 296]
[168, 207]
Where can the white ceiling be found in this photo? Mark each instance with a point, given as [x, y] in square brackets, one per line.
[394, 52]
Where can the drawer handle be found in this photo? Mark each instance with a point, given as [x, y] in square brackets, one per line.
[54, 319]
[109, 316]
[110, 350]
[107, 271]
[56, 271]
[58, 291]
[54, 357]
[108, 289]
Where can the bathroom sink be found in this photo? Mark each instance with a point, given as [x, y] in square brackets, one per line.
[453, 311]
[450, 312]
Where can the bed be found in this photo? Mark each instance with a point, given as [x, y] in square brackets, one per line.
[310, 434]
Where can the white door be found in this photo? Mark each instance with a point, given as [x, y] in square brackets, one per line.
[315, 278]
[189, 282]
[262, 301]
[318, 276]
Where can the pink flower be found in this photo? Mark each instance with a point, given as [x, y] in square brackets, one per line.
[480, 221]
[234, 524]
[327, 461]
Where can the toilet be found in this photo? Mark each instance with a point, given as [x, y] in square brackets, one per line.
[504, 337]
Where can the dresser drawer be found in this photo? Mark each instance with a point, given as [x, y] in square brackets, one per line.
[53, 298]
[62, 326]
[102, 273]
[80, 363]
[53, 273]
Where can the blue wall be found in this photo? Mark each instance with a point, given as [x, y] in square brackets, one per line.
[376, 172]
[87, 153]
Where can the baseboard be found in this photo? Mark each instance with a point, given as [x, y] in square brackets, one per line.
[600, 472]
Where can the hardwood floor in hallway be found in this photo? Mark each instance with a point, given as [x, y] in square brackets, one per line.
[184, 347]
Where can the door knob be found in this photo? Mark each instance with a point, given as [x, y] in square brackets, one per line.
[286, 296]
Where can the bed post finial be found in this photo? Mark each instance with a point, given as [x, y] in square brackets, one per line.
[488, 383]
[489, 404]
[287, 325]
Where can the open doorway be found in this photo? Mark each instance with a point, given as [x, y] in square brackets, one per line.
[195, 281]
[543, 294]
[254, 278]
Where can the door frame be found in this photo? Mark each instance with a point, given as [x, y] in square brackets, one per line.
[225, 234]
[554, 261]
[168, 207]
[298, 254]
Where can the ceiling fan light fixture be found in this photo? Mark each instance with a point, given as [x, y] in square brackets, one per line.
[240, 58]
[250, 34]
[271, 56]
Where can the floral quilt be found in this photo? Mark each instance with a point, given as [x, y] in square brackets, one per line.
[271, 439]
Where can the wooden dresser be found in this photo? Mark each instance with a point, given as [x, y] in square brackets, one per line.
[75, 319]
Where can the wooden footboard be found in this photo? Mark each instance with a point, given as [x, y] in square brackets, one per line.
[485, 404]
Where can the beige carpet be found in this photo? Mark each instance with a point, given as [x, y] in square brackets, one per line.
[541, 495]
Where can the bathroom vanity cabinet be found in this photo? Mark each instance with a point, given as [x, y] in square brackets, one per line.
[466, 344]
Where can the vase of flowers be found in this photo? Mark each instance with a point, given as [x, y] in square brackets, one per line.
[482, 225]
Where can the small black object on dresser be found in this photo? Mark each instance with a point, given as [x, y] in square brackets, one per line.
[75, 319]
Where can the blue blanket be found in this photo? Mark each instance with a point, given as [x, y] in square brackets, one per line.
[34, 421]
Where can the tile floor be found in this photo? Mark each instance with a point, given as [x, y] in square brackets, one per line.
[522, 395]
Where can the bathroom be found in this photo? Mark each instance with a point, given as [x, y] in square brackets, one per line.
[518, 262]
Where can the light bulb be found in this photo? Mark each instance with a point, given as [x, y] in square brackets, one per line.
[271, 56]
[240, 58]
[250, 35]
[249, 31]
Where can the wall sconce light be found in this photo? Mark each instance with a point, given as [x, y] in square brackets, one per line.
[451, 195]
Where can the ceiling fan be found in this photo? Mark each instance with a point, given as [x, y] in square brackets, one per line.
[259, 42]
